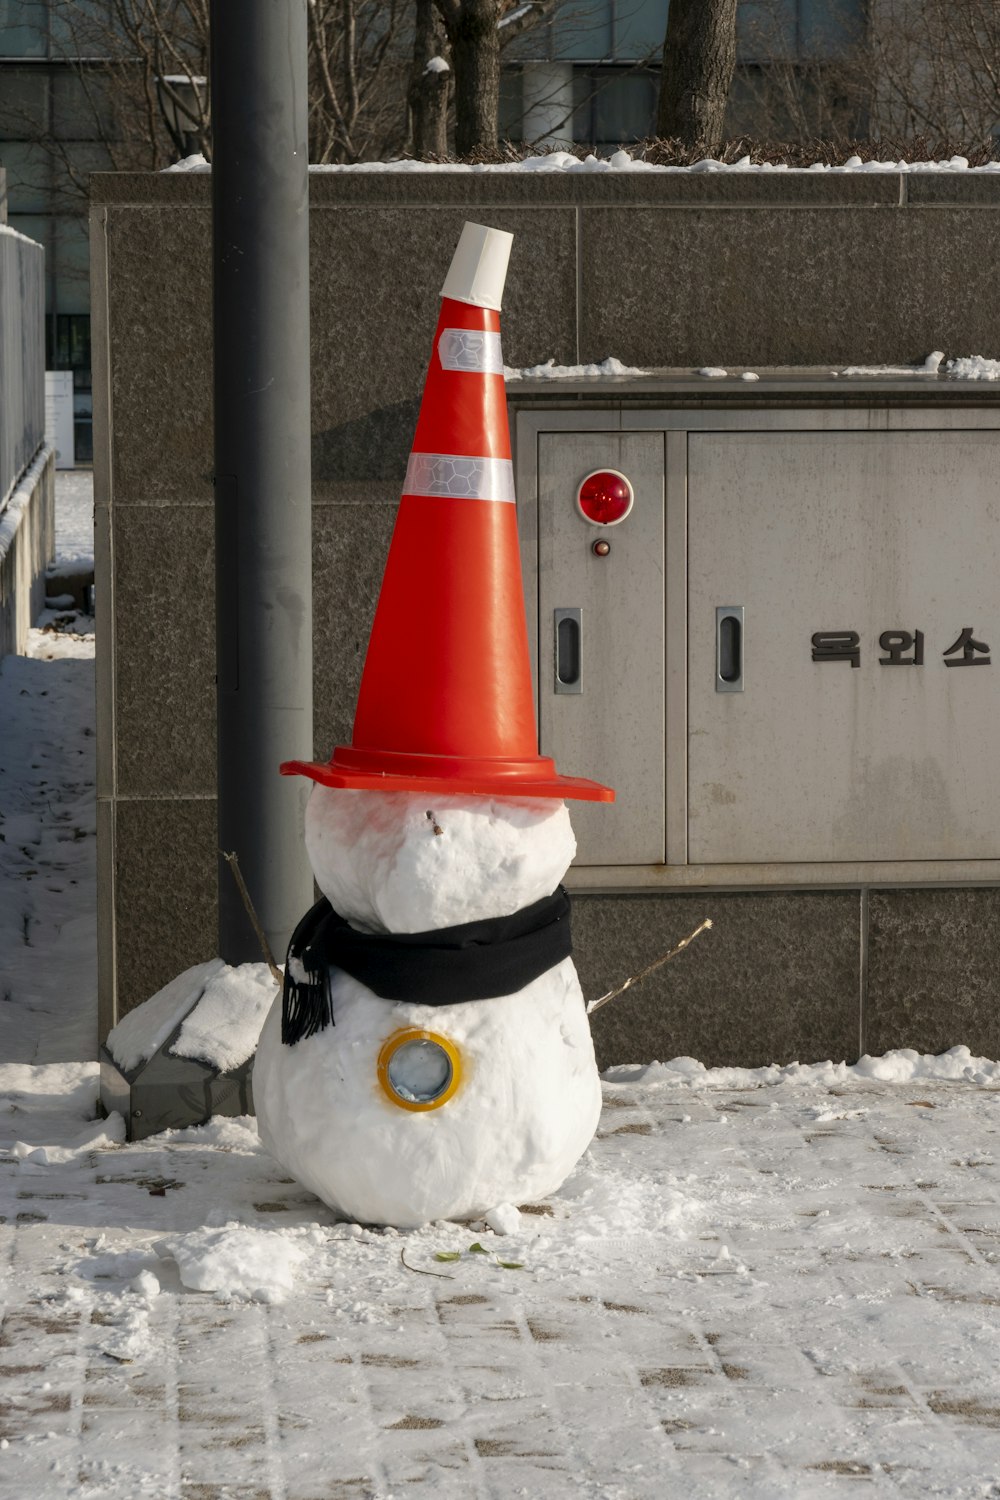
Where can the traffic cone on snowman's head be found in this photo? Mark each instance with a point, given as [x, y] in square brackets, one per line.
[446, 700]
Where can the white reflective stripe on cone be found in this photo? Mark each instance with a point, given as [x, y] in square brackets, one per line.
[470, 350]
[452, 475]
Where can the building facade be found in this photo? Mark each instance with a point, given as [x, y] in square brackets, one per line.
[591, 76]
[50, 140]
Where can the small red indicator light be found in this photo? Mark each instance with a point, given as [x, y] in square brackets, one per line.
[605, 497]
[601, 549]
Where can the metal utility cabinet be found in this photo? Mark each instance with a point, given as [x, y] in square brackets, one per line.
[788, 661]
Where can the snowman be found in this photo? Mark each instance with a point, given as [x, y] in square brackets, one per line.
[430, 1057]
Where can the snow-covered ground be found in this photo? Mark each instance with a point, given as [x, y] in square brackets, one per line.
[765, 1283]
[48, 886]
[75, 515]
[760, 1289]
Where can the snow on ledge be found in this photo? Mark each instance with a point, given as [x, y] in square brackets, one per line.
[966, 367]
[195, 163]
[551, 371]
[14, 508]
[930, 366]
[974, 367]
[15, 234]
[621, 161]
[904, 1065]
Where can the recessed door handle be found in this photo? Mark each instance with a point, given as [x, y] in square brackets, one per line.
[568, 625]
[729, 648]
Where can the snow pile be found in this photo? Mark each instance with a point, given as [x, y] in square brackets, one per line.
[504, 1219]
[974, 367]
[70, 1089]
[904, 1065]
[102, 1135]
[224, 1027]
[55, 642]
[255, 1264]
[57, 1100]
[436, 65]
[137, 1035]
[234, 1134]
[125, 1336]
[222, 1009]
[713, 372]
[900, 1066]
[930, 366]
[194, 163]
[551, 371]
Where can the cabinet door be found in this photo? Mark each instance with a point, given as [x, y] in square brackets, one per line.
[611, 728]
[864, 532]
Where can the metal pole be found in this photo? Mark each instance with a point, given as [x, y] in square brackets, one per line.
[260, 255]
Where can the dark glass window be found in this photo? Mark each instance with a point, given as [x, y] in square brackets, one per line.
[807, 30]
[614, 106]
[67, 338]
[82, 105]
[24, 102]
[69, 344]
[24, 28]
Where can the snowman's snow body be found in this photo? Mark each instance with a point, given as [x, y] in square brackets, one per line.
[528, 1095]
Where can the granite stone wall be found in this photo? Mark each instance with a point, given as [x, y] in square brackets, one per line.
[658, 269]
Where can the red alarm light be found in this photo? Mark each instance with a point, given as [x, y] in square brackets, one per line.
[605, 497]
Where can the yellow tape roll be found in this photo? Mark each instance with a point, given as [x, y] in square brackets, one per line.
[400, 1039]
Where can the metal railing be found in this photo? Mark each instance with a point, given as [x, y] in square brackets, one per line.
[22, 356]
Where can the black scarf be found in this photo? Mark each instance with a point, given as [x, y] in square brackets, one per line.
[448, 965]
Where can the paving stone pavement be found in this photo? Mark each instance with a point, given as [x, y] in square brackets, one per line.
[758, 1292]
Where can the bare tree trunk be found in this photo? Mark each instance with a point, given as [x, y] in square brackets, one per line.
[475, 49]
[699, 54]
[478, 30]
[429, 85]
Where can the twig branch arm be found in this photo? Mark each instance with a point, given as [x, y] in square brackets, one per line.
[232, 860]
[638, 978]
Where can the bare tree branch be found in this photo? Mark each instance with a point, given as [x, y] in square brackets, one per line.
[524, 16]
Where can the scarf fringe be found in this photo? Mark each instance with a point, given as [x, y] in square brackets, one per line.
[306, 1007]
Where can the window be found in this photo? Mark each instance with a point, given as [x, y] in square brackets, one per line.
[615, 106]
[67, 339]
[24, 103]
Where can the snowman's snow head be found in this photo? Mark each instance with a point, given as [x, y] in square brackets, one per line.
[412, 861]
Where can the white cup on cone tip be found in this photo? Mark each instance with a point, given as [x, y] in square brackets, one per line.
[478, 268]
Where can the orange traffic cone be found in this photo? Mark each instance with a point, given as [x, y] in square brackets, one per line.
[446, 700]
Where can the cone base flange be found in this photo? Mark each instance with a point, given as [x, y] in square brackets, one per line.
[394, 771]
